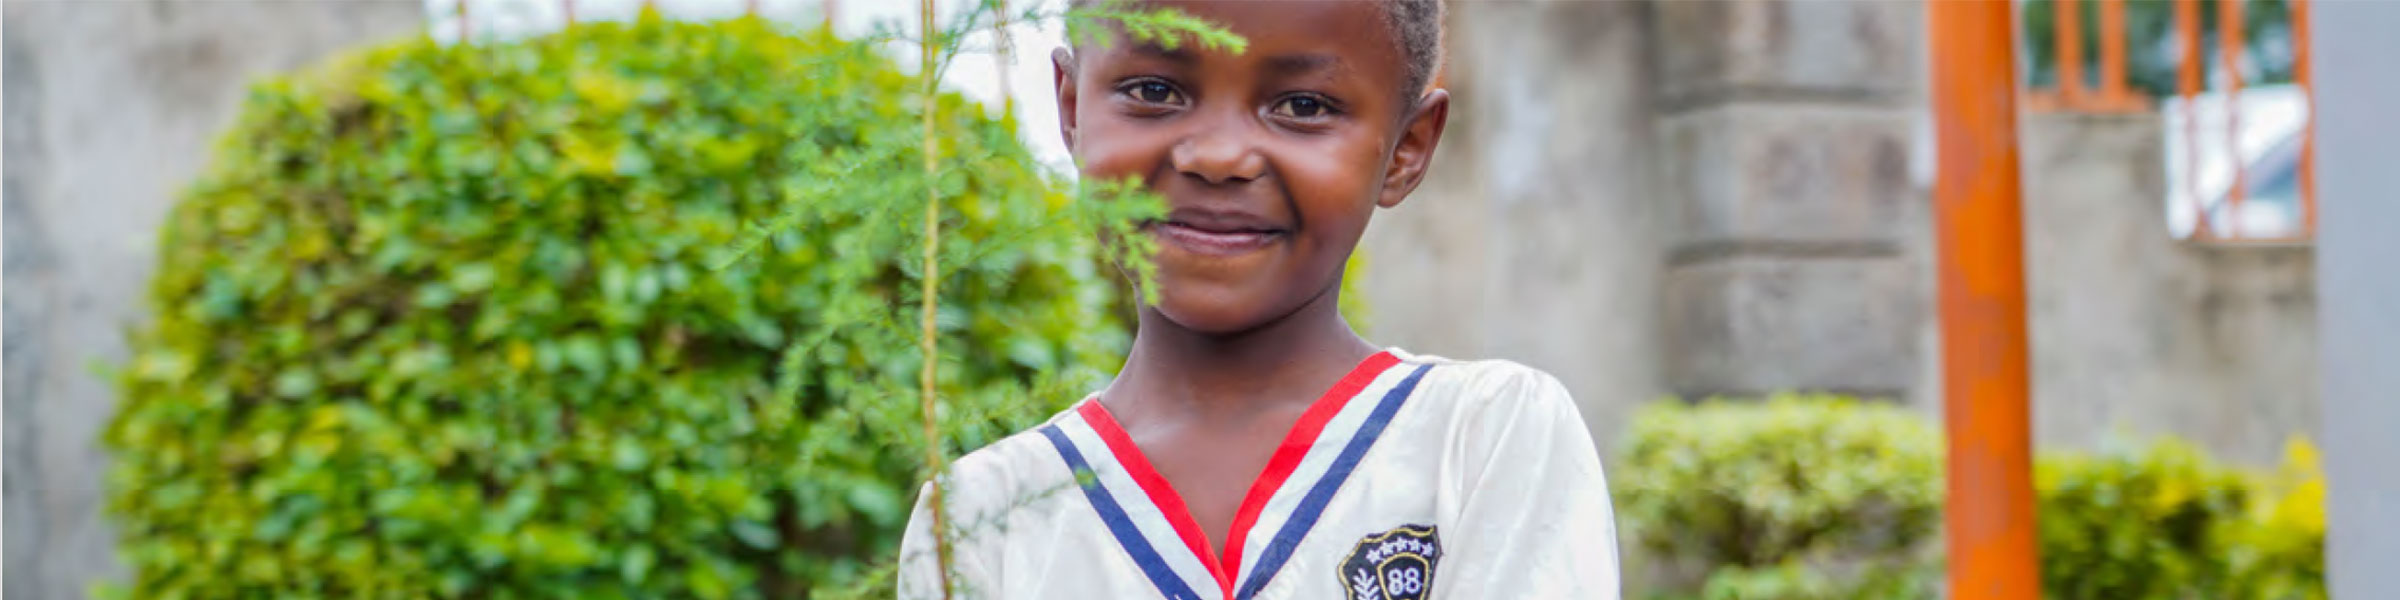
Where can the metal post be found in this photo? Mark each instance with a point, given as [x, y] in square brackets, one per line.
[1980, 231]
[2229, 44]
[2187, 92]
[2308, 146]
[2115, 96]
[2358, 323]
[2067, 39]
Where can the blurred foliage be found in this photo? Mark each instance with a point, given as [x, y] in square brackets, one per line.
[2139, 526]
[2153, 49]
[2278, 551]
[2167, 523]
[1769, 499]
[1801, 497]
[468, 321]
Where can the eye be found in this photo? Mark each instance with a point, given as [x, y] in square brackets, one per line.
[1302, 107]
[1152, 91]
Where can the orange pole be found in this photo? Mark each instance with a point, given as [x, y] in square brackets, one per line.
[2229, 43]
[465, 29]
[569, 7]
[1980, 233]
[2113, 92]
[2068, 40]
[2187, 91]
[2308, 140]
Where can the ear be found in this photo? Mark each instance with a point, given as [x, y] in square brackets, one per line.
[1414, 154]
[1062, 77]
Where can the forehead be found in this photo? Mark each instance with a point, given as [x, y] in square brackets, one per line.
[1354, 35]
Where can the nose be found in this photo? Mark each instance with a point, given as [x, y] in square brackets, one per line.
[1218, 156]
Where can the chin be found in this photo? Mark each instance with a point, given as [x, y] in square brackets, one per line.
[1213, 311]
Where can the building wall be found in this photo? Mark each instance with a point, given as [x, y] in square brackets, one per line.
[1732, 198]
[1539, 234]
[2136, 333]
[111, 107]
[1785, 132]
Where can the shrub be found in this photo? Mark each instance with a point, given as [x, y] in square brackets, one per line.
[1795, 497]
[442, 321]
[2278, 551]
[1808, 498]
[2168, 523]
[2135, 527]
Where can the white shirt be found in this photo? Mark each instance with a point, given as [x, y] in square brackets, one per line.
[1414, 477]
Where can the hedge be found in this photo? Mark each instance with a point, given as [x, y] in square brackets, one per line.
[446, 321]
[1818, 497]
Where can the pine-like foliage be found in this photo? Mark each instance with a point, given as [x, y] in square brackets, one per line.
[624, 311]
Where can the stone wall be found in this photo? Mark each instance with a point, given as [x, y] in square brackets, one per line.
[1784, 129]
[2136, 333]
[111, 107]
[1538, 236]
[1670, 198]
[1732, 197]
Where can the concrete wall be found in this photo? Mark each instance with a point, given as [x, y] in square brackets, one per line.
[1731, 197]
[1687, 198]
[111, 106]
[1785, 131]
[2136, 333]
[1539, 235]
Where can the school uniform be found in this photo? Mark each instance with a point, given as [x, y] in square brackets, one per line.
[1413, 477]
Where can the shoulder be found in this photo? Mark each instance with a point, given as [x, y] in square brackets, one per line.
[1502, 423]
[1484, 409]
[1002, 470]
[1485, 387]
[985, 493]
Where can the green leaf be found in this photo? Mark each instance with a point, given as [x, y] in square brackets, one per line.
[755, 534]
[441, 321]
[636, 564]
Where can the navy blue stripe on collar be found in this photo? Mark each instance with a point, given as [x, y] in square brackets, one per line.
[1119, 524]
[1312, 505]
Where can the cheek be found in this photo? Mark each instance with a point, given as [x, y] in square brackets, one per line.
[1336, 183]
[1108, 148]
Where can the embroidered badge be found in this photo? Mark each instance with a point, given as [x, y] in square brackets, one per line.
[1393, 565]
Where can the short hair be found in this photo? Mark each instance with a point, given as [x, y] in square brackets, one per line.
[1417, 26]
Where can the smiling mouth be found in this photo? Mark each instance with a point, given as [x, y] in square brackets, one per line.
[1214, 236]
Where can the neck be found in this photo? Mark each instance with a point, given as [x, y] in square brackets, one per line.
[1231, 377]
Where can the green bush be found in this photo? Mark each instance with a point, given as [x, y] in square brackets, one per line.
[1809, 498]
[1795, 497]
[2135, 527]
[444, 321]
[2167, 523]
[2278, 551]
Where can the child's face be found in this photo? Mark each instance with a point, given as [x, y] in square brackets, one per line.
[1271, 160]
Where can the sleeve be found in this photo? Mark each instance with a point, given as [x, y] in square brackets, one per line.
[971, 572]
[1534, 518]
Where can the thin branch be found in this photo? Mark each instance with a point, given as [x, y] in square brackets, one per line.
[929, 275]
